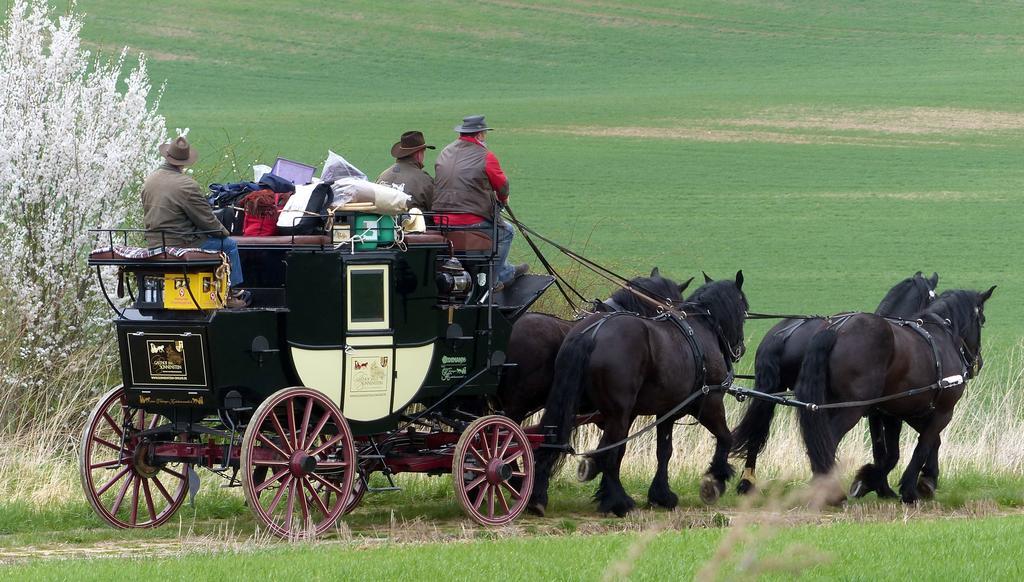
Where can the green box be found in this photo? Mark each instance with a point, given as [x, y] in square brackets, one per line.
[375, 230]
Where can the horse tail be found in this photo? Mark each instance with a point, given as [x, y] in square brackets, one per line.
[751, 434]
[571, 379]
[811, 386]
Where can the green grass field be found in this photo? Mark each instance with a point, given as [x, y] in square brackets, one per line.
[828, 149]
[986, 549]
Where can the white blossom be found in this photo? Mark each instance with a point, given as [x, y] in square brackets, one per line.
[77, 136]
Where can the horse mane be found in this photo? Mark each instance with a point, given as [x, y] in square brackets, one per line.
[894, 304]
[956, 306]
[727, 304]
[656, 287]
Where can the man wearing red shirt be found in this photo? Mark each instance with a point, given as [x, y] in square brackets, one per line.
[468, 179]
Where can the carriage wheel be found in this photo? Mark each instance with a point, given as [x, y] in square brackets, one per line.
[120, 484]
[359, 487]
[493, 470]
[300, 439]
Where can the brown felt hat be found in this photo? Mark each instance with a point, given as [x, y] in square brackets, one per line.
[411, 142]
[179, 152]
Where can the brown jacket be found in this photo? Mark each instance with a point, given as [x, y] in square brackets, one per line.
[409, 177]
[460, 175]
[173, 203]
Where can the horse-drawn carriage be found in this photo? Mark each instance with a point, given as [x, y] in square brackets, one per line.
[354, 358]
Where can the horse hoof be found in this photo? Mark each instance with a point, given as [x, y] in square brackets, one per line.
[887, 493]
[745, 487]
[586, 470]
[926, 488]
[710, 490]
[536, 509]
[666, 500]
[858, 489]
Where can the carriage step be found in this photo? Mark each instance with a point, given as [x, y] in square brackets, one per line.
[380, 489]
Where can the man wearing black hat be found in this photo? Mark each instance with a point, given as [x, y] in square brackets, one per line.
[468, 179]
[407, 174]
[175, 213]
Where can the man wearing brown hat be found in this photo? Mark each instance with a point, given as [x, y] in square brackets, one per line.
[407, 174]
[175, 213]
[469, 179]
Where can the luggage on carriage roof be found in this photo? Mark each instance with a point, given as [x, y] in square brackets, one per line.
[306, 210]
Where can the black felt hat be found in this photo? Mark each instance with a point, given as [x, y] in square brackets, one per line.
[473, 124]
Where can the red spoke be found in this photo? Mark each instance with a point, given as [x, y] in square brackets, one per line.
[501, 498]
[480, 497]
[273, 478]
[477, 454]
[280, 493]
[515, 494]
[315, 433]
[134, 517]
[516, 455]
[174, 473]
[304, 505]
[162, 489]
[487, 446]
[504, 447]
[475, 483]
[301, 442]
[120, 494]
[113, 425]
[316, 499]
[105, 443]
[331, 464]
[142, 419]
[335, 440]
[472, 469]
[291, 424]
[149, 500]
[328, 484]
[154, 422]
[490, 501]
[106, 464]
[273, 446]
[290, 508]
[280, 433]
[262, 463]
[116, 478]
[497, 438]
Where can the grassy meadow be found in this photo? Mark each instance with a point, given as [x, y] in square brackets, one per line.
[827, 149]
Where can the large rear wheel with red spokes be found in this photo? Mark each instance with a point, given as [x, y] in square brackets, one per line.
[492, 470]
[123, 485]
[299, 460]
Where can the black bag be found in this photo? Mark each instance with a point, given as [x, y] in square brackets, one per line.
[231, 218]
[316, 212]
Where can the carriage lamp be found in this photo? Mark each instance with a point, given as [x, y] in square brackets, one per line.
[452, 279]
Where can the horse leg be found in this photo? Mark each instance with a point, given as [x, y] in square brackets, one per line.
[712, 417]
[885, 447]
[840, 423]
[928, 482]
[927, 442]
[611, 496]
[660, 494]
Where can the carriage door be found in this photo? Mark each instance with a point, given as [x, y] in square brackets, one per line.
[369, 358]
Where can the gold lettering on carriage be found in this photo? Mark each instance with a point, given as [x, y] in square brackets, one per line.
[167, 359]
[453, 368]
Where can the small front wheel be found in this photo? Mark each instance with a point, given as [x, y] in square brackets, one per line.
[492, 470]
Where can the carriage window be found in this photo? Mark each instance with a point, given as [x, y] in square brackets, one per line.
[368, 297]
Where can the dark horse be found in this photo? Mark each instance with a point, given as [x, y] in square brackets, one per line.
[778, 361]
[867, 356]
[536, 337]
[627, 366]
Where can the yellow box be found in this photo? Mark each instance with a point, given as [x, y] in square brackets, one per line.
[209, 291]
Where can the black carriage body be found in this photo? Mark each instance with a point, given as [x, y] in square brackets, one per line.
[366, 328]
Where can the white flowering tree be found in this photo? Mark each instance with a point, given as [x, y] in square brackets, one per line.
[77, 136]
